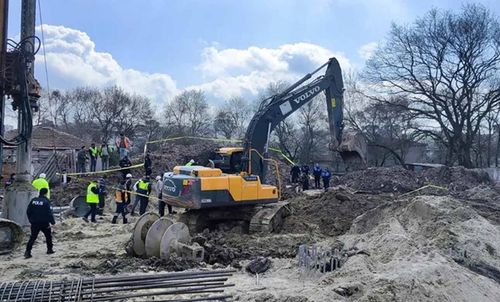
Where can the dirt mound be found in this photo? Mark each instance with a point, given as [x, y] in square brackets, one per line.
[455, 178]
[330, 213]
[229, 248]
[393, 179]
[431, 244]
[400, 180]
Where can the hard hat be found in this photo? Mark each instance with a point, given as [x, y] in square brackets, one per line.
[158, 177]
[42, 175]
[192, 161]
[128, 175]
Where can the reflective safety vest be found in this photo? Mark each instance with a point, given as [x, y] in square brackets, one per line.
[142, 187]
[41, 183]
[91, 196]
[118, 196]
[94, 151]
[189, 164]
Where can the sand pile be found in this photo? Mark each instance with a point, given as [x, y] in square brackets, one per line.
[426, 248]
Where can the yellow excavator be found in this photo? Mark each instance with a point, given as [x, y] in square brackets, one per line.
[234, 189]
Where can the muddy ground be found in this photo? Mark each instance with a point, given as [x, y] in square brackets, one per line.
[419, 244]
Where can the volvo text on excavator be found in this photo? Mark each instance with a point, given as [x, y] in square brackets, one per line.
[235, 188]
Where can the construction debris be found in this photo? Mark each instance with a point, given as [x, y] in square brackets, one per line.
[198, 285]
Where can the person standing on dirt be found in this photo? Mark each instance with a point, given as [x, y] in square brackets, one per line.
[40, 183]
[326, 175]
[93, 152]
[305, 181]
[104, 152]
[125, 163]
[123, 144]
[81, 158]
[143, 192]
[295, 173]
[121, 203]
[136, 197]
[148, 164]
[40, 217]
[92, 200]
[128, 188]
[317, 176]
[159, 193]
[101, 184]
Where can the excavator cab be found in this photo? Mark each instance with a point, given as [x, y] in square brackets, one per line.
[228, 159]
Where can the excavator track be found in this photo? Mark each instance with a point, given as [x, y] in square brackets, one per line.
[269, 219]
[260, 219]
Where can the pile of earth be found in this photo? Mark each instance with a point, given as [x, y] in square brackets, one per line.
[454, 178]
[229, 248]
[424, 248]
[329, 214]
[380, 179]
[399, 180]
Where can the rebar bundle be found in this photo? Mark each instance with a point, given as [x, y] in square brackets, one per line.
[200, 286]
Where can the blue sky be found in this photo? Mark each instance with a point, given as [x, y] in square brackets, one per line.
[160, 47]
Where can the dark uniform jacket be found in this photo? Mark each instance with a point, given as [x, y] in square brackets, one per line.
[39, 212]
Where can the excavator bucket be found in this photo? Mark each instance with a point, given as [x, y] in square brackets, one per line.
[349, 143]
[352, 149]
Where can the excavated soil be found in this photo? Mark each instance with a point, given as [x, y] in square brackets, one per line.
[420, 245]
[329, 214]
[400, 180]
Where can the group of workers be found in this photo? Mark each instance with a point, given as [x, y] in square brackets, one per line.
[41, 217]
[122, 144]
[301, 174]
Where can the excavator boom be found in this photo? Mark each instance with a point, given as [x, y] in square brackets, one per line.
[277, 108]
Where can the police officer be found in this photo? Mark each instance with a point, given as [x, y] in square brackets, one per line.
[143, 190]
[92, 201]
[326, 175]
[317, 176]
[40, 217]
[40, 183]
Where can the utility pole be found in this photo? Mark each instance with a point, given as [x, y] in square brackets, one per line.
[4, 21]
[18, 195]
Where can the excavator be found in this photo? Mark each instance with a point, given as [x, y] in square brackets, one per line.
[235, 188]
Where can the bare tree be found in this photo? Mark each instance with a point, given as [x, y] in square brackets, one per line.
[313, 135]
[232, 118]
[188, 113]
[446, 66]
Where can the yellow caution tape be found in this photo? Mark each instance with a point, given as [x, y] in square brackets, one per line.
[282, 154]
[103, 171]
[196, 137]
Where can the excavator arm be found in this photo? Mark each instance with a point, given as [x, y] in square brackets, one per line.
[275, 109]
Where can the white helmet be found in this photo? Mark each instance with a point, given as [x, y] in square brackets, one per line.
[42, 175]
[158, 177]
[192, 161]
[128, 175]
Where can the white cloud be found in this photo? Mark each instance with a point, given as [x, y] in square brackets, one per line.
[367, 50]
[72, 61]
[231, 72]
